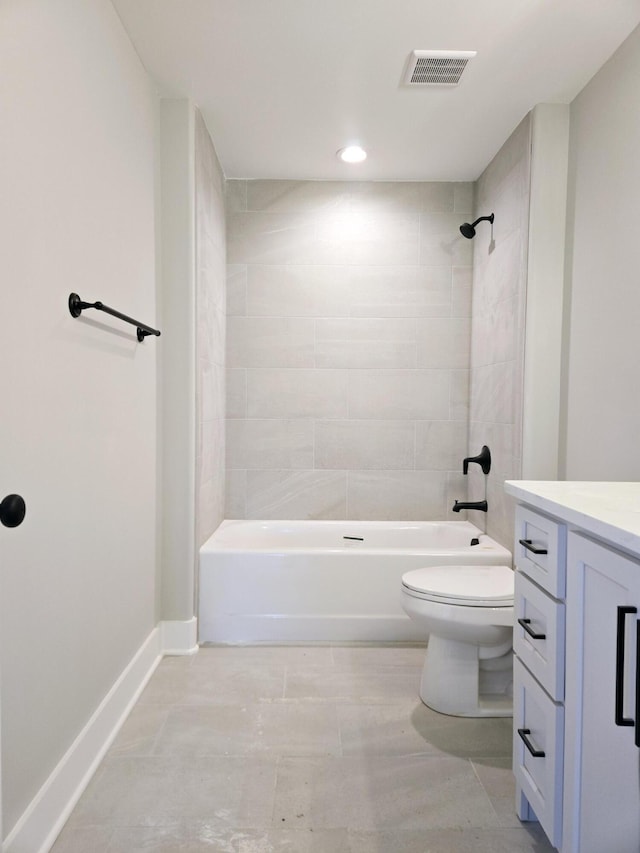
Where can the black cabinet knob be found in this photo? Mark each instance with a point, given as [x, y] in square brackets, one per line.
[12, 511]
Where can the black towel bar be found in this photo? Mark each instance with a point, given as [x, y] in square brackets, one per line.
[77, 306]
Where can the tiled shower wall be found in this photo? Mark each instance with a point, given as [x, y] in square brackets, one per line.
[497, 348]
[210, 333]
[348, 336]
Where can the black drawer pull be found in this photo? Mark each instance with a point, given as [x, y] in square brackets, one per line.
[525, 624]
[637, 683]
[623, 612]
[526, 543]
[537, 753]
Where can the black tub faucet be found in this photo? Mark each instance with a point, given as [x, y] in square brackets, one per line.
[459, 505]
[483, 459]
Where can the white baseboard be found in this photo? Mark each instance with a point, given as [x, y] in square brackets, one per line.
[40, 824]
[179, 637]
[261, 628]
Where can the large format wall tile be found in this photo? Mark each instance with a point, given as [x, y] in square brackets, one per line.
[366, 343]
[440, 445]
[497, 351]
[299, 494]
[296, 291]
[399, 394]
[269, 443]
[271, 238]
[283, 393]
[211, 285]
[396, 495]
[348, 344]
[364, 444]
[236, 392]
[270, 342]
[297, 196]
[443, 343]
[399, 291]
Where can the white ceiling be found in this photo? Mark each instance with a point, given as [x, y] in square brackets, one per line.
[282, 84]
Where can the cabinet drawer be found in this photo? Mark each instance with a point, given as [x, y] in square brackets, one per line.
[541, 721]
[543, 654]
[540, 550]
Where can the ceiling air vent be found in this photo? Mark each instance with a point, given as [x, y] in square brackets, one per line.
[436, 67]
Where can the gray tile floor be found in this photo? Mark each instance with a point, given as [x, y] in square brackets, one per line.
[317, 749]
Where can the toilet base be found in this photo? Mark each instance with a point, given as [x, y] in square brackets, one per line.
[464, 680]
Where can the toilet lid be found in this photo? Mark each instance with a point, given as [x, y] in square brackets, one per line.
[475, 586]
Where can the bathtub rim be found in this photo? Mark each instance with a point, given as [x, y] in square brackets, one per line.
[225, 618]
[213, 545]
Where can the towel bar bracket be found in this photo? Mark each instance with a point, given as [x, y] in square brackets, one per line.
[77, 306]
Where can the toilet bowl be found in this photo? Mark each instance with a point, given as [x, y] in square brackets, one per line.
[467, 613]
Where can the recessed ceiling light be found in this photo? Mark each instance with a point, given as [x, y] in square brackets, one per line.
[352, 154]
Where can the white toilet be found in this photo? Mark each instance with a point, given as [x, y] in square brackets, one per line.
[467, 612]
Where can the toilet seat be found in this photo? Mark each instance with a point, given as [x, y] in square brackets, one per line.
[464, 586]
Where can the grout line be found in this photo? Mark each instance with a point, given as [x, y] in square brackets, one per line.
[154, 745]
[275, 789]
[486, 793]
[340, 743]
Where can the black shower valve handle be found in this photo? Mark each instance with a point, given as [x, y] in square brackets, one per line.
[483, 459]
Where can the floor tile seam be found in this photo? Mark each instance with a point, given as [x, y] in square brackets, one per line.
[274, 791]
[180, 823]
[264, 756]
[488, 797]
[492, 756]
[348, 668]
[244, 668]
[382, 758]
[187, 761]
[368, 754]
[339, 725]
[468, 831]
[377, 644]
[160, 731]
[388, 703]
[366, 701]
[111, 837]
[251, 701]
[213, 702]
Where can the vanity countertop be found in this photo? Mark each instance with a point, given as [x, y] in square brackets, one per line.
[610, 511]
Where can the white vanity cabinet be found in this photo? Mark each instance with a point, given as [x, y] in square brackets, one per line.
[602, 739]
[577, 666]
[538, 682]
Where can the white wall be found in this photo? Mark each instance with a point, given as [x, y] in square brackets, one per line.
[78, 425]
[602, 355]
[178, 358]
[545, 292]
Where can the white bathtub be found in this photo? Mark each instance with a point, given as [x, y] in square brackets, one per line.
[306, 581]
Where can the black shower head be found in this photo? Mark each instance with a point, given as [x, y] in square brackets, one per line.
[468, 230]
